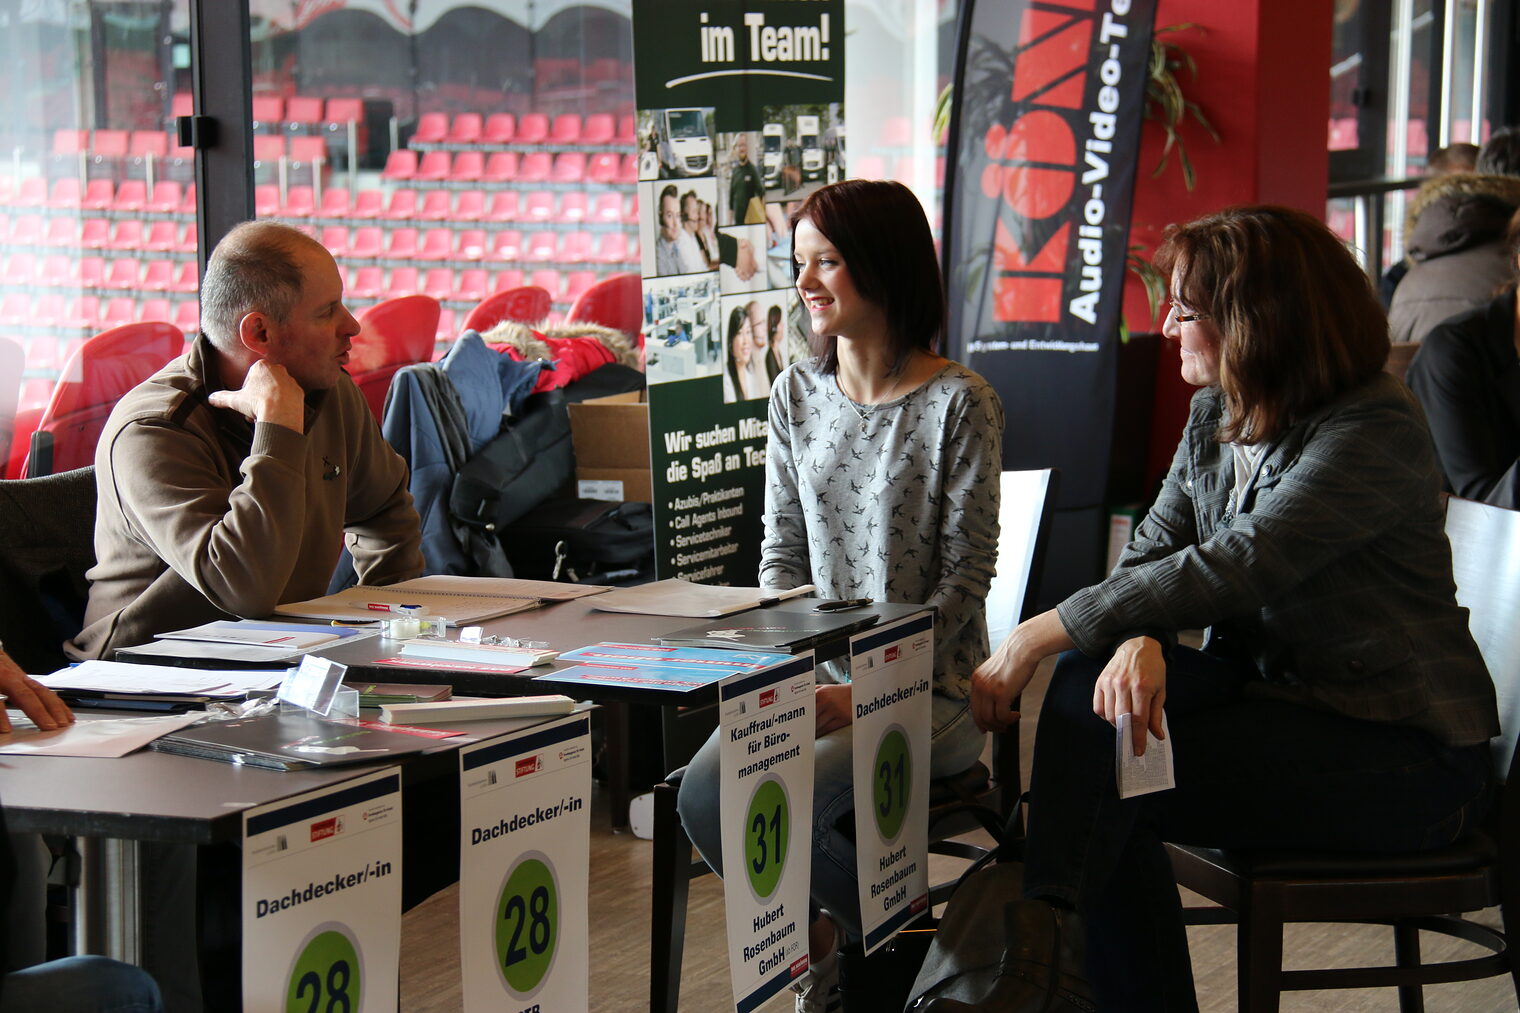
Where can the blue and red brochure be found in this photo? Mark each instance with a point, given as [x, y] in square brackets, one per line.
[659, 667]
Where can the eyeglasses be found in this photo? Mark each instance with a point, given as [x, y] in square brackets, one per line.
[1185, 316]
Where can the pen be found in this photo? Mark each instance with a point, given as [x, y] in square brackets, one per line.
[841, 604]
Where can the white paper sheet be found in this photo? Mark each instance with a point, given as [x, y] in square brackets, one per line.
[1141, 775]
[123, 677]
[102, 737]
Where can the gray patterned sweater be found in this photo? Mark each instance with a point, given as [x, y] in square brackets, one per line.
[901, 506]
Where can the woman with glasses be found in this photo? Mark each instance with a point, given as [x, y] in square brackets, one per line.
[1339, 702]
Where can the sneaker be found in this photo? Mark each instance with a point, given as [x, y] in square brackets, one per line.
[818, 990]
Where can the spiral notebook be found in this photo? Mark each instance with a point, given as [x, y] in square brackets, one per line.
[460, 600]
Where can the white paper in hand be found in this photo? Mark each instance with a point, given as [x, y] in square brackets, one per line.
[1141, 775]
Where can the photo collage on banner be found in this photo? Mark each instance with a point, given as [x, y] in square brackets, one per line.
[740, 117]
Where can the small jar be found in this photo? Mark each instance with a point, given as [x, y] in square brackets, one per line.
[404, 624]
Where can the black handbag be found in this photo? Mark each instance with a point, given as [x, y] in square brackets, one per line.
[586, 540]
[996, 952]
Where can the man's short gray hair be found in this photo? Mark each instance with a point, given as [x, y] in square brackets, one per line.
[253, 268]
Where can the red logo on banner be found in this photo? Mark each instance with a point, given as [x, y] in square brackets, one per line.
[767, 697]
[1035, 161]
[527, 765]
[324, 829]
[892, 653]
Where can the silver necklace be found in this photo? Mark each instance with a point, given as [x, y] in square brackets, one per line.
[866, 411]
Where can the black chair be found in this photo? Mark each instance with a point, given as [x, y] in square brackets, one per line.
[49, 543]
[1261, 892]
[1027, 501]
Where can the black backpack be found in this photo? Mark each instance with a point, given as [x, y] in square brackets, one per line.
[585, 540]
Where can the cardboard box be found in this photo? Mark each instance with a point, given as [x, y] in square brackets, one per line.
[611, 439]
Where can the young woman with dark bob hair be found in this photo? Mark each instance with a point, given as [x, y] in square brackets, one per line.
[881, 481]
[1339, 701]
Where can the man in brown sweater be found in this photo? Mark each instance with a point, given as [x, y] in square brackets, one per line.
[228, 480]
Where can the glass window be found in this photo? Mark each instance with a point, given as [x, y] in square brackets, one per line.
[452, 149]
[97, 203]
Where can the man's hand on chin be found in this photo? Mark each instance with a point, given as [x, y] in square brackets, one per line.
[268, 394]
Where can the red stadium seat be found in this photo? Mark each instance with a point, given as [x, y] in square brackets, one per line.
[627, 125]
[607, 207]
[604, 167]
[567, 129]
[15, 309]
[308, 151]
[510, 278]
[67, 193]
[155, 309]
[109, 145]
[268, 112]
[187, 203]
[526, 304]
[187, 278]
[131, 196]
[542, 247]
[148, 142]
[335, 239]
[613, 249]
[392, 334]
[474, 285]
[96, 376]
[576, 248]
[467, 129]
[400, 164]
[82, 313]
[368, 283]
[469, 167]
[438, 282]
[267, 149]
[27, 230]
[187, 317]
[158, 276]
[57, 271]
[598, 129]
[187, 239]
[163, 236]
[535, 167]
[302, 113]
[90, 272]
[630, 170]
[434, 167]
[32, 192]
[166, 197]
[437, 244]
[402, 206]
[577, 282]
[21, 269]
[499, 129]
[401, 244]
[472, 244]
[615, 301]
[506, 245]
[70, 142]
[300, 202]
[266, 200]
[435, 206]
[504, 206]
[402, 281]
[532, 128]
[549, 281]
[98, 195]
[94, 233]
[569, 167]
[573, 207]
[118, 312]
[62, 230]
[125, 273]
[538, 206]
[367, 244]
[128, 235]
[344, 110]
[368, 204]
[471, 206]
[501, 167]
[432, 128]
[336, 203]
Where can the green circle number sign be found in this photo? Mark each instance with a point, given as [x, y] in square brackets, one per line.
[527, 925]
[767, 831]
[326, 976]
[892, 775]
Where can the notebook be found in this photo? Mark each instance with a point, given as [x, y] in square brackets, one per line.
[288, 740]
[460, 600]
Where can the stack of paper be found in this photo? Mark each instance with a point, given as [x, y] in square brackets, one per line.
[154, 687]
[253, 641]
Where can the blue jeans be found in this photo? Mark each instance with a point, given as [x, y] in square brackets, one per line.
[80, 985]
[955, 744]
[1253, 773]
